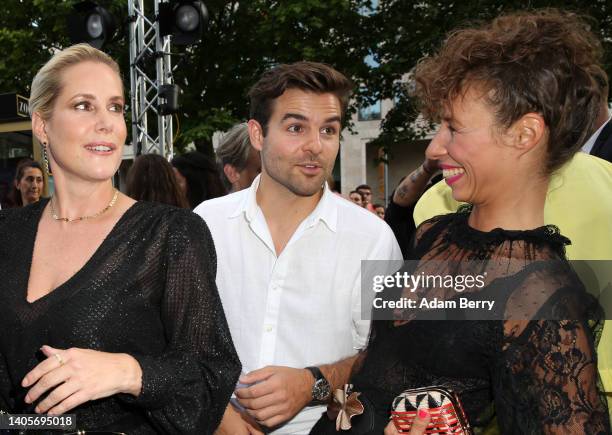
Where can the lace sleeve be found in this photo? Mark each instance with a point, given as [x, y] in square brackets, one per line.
[547, 380]
[186, 389]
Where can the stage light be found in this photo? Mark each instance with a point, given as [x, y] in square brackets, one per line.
[183, 19]
[90, 23]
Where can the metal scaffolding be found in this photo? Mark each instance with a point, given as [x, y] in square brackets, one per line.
[148, 49]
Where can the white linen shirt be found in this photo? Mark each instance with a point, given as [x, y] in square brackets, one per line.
[302, 308]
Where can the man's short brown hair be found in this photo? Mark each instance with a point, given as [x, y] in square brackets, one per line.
[307, 76]
[546, 62]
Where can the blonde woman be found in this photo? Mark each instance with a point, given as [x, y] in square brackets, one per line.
[111, 303]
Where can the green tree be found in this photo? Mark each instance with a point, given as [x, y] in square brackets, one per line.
[246, 38]
[31, 30]
[243, 39]
[406, 31]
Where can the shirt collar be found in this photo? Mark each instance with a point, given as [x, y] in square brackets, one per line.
[326, 210]
[248, 202]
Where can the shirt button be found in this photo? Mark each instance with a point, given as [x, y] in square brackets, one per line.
[269, 328]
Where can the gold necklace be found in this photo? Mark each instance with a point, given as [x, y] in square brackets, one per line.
[82, 218]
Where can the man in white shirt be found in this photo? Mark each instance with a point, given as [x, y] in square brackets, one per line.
[289, 254]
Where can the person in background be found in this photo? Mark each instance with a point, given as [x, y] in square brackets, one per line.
[379, 209]
[28, 185]
[356, 198]
[238, 160]
[151, 178]
[111, 303]
[198, 176]
[404, 198]
[366, 194]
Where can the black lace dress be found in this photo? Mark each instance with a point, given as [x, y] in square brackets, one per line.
[149, 291]
[531, 369]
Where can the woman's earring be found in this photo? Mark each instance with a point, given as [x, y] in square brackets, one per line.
[45, 158]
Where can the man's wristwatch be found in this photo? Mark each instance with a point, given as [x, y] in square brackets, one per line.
[321, 390]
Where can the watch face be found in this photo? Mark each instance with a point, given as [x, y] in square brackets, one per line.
[321, 390]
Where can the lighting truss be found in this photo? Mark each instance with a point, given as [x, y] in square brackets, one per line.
[150, 68]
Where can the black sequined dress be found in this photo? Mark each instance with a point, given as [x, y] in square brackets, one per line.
[535, 370]
[149, 291]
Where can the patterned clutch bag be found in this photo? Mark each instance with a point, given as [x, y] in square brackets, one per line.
[447, 415]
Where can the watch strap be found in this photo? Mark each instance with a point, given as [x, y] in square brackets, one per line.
[316, 373]
[321, 390]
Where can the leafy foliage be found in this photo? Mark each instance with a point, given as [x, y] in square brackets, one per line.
[244, 38]
[406, 31]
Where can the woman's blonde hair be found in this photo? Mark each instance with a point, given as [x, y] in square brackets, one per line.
[47, 83]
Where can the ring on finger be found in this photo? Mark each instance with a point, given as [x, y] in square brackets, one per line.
[59, 358]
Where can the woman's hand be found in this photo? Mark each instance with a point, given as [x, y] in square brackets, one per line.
[237, 423]
[418, 425]
[75, 376]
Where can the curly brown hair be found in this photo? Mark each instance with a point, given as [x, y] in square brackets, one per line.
[546, 62]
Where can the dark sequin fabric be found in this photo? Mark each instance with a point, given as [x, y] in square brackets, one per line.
[149, 291]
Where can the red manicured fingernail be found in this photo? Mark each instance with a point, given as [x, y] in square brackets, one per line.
[423, 414]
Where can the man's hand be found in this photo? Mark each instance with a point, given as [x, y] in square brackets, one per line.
[279, 393]
[235, 423]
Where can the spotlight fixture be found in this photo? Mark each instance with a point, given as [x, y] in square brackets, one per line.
[185, 20]
[90, 23]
